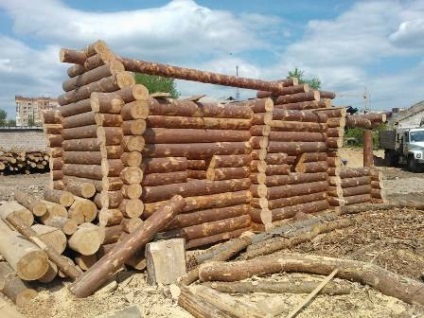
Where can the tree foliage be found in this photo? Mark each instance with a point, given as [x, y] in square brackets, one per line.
[158, 84]
[314, 83]
[11, 123]
[3, 116]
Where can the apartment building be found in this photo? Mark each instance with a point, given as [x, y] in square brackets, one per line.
[28, 109]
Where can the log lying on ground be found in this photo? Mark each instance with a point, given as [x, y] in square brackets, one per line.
[63, 263]
[61, 197]
[13, 208]
[27, 260]
[100, 272]
[14, 288]
[388, 283]
[230, 305]
[294, 238]
[198, 307]
[291, 287]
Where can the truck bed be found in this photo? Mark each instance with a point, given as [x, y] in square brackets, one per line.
[387, 139]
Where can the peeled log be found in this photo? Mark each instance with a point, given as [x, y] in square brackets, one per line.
[155, 179]
[28, 261]
[227, 173]
[183, 136]
[100, 272]
[51, 235]
[14, 208]
[87, 239]
[296, 136]
[81, 189]
[296, 126]
[58, 196]
[300, 97]
[196, 150]
[157, 121]
[213, 239]
[296, 189]
[204, 216]
[388, 283]
[189, 108]
[299, 115]
[203, 202]
[193, 188]
[296, 148]
[37, 207]
[167, 164]
[222, 161]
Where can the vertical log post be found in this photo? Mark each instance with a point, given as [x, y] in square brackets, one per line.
[368, 147]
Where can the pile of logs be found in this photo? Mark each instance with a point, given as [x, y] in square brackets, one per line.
[23, 162]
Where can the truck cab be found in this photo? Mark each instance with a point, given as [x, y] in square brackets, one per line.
[414, 148]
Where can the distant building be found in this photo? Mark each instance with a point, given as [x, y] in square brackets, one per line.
[408, 118]
[28, 109]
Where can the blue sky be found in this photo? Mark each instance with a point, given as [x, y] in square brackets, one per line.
[349, 45]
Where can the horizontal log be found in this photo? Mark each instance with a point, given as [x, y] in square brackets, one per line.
[196, 150]
[296, 136]
[209, 215]
[30, 202]
[161, 165]
[110, 68]
[296, 148]
[305, 105]
[290, 201]
[268, 170]
[355, 199]
[261, 118]
[301, 88]
[225, 161]
[134, 92]
[132, 191]
[196, 174]
[299, 115]
[180, 122]
[350, 182]
[198, 164]
[80, 132]
[215, 227]
[171, 136]
[292, 178]
[193, 188]
[227, 173]
[204, 202]
[296, 189]
[312, 167]
[58, 196]
[259, 142]
[297, 126]
[79, 120]
[260, 130]
[363, 189]
[269, 158]
[213, 239]
[353, 172]
[189, 108]
[290, 211]
[106, 84]
[83, 157]
[300, 97]
[162, 178]
[110, 217]
[261, 105]
[83, 171]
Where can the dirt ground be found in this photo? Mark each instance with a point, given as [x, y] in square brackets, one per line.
[392, 239]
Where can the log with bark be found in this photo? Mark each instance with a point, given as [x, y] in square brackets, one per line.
[100, 272]
[29, 201]
[180, 122]
[196, 150]
[388, 283]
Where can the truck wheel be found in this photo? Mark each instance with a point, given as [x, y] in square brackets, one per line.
[391, 158]
[412, 164]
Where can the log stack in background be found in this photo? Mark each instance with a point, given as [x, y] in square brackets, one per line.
[15, 161]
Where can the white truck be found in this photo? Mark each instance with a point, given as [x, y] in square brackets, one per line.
[404, 145]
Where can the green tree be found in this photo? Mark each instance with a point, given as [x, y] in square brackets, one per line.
[11, 123]
[3, 116]
[158, 84]
[314, 83]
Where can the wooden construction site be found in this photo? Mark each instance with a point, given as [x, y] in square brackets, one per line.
[244, 179]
